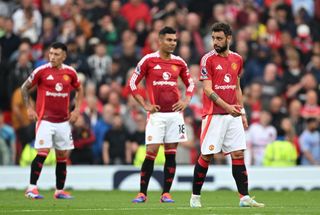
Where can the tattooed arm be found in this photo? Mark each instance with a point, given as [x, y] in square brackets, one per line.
[26, 98]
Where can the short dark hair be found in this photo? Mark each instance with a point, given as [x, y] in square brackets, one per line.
[58, 45]
[220, 26]
[167, 30]
[311, 120]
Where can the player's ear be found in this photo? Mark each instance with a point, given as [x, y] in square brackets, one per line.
[229, 38]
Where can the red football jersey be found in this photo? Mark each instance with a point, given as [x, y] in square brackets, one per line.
[53, 91]
[162, 79]
[224, 73]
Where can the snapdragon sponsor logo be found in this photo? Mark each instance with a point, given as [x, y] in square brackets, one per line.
[224, 87]
[63, 95]
[162, 83]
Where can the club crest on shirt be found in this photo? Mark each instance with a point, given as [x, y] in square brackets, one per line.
[59, 87]
[149, 138]
[166, 75]
[66, 77]
[234, 66]
[211, 147]
[174, 68]
[41, 142]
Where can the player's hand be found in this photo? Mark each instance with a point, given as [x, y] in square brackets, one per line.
[234, 110]
[244, 121]
[152, 108]
[74, 116]
[179, 106]
[32, 115]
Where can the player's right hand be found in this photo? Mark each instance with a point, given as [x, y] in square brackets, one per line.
[234, 110]
[152, 108]
[32, 115]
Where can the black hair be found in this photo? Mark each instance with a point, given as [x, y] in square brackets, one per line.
[167, 30]
[220, 26]
[311, 120]
[58, 45]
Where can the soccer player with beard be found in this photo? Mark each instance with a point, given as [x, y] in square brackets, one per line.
[165, 123]
[54, 82]
[224, 118]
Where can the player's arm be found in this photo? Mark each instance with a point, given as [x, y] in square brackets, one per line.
[78, 99]
[26, 86]
[105, 152]
[134, 80]
[240, 102]
[189, 83]
[233, 110]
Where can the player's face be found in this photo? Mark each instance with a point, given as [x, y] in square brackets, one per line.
[220, 41]
[168, 42]
[56, 57]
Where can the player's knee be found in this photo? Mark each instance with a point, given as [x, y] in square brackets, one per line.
[43, 152]
[153, 148]
[237, 155]
[61, 154]
[207, 157]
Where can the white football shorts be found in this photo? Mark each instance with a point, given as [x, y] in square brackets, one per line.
[165, 128]
[222, 132]
[53, 135]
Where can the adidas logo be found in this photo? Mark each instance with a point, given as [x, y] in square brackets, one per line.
[157, 67]
[50, 77]
[219, 67]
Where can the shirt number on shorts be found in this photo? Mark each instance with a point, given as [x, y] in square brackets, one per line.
[181, 129]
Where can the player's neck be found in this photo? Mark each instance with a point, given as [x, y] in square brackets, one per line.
[165, 55]
[224, 54]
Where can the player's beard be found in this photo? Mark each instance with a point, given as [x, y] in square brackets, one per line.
[221, 49]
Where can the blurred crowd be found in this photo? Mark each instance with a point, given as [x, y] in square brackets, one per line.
[279, 41]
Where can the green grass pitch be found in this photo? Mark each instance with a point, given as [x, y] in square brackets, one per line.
[118, 202]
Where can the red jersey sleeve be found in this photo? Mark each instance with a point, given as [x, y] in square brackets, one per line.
[138, 74]
[186, 78]
[75, 83]
[205, 68]
[35, 76]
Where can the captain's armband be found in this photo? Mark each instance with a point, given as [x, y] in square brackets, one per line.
[214, 97]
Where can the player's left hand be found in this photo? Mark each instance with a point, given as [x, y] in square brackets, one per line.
[74, 116]
[179, 106]
[244, 121]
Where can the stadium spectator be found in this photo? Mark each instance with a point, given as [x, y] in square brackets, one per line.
[259, 135]
[54, 82]
[7, 143]
[9, 42]
[19, 71]
[270, 85]
[99, 63]
[135, 10]
[100, 129]
[277, 111]
[165, 125]
[49, 31]
[310, 143]
[253, 102]
[27, 21]
[311, 109]
[116, 147]
[23, 126]
[83, 139]
[294, 111]
[137, 137]
[280, 153]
